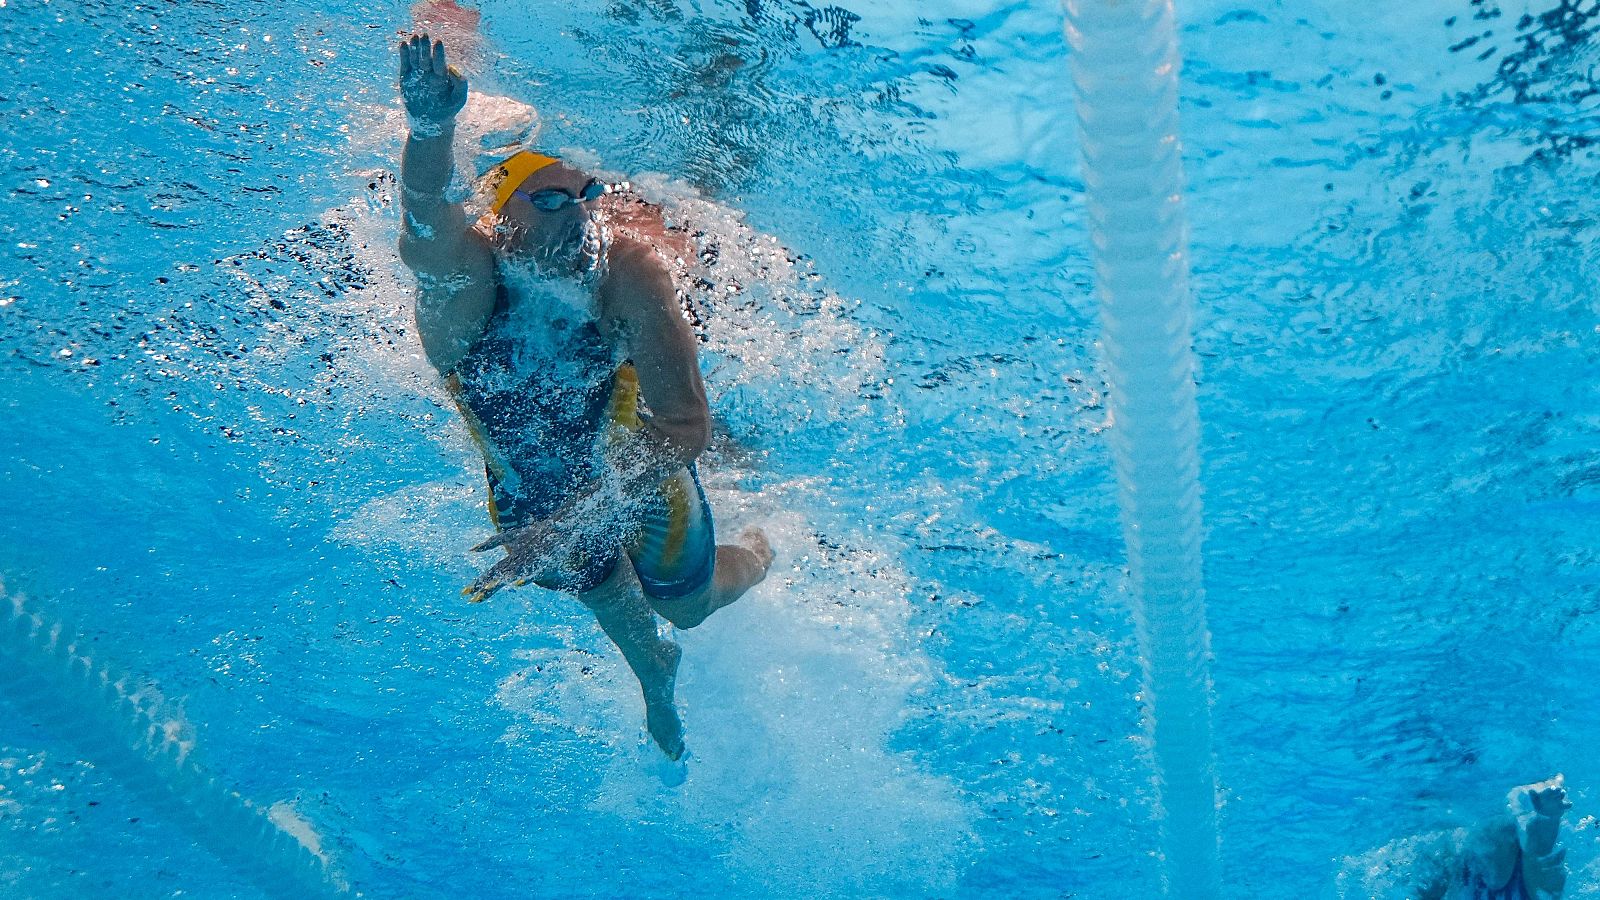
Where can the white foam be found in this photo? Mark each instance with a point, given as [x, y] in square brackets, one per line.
[783, 351]
[289, 820]
[791, 700]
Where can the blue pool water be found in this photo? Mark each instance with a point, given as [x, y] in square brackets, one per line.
[224, 459]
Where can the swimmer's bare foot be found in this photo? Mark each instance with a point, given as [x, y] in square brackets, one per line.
[660, 712]
[755, 540]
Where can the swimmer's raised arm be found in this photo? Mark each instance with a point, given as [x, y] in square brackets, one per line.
[454, 264]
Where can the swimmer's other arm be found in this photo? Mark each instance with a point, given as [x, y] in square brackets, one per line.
[454, 264]
[641, 306]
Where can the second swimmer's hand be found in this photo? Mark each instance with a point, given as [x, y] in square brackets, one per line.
[1541, 820]
[433, 90]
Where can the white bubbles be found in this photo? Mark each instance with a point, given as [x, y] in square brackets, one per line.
[783, 353]
[565, 685]
[791, 699]
[561, 302]
[437, 518]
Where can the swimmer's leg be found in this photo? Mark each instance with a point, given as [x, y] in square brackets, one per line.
[619, 606]
[738, 568]
[685, 574]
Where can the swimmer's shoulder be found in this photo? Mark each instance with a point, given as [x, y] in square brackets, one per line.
[633, 219]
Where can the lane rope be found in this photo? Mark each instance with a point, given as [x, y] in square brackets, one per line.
[127, 727]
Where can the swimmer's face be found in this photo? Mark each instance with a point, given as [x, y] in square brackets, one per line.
[546, 218]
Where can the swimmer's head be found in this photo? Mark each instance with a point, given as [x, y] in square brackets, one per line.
[543, 209]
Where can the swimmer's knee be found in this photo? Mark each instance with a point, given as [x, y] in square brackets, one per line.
[683, 612]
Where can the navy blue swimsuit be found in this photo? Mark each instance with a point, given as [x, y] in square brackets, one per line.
[537, 409]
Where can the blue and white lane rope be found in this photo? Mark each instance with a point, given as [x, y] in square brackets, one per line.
[125, 727]
[1124, 58]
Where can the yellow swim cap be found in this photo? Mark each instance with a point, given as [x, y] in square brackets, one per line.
[513, 171]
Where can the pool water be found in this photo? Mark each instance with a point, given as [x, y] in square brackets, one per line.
[224, 459]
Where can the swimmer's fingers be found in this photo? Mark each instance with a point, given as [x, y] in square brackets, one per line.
[534, 538]
[458, 87]
[501, 572]
[410, 59]
[436, 59]
[499, 540]
[1551, 801]
[416, 53]
[507, 571]
[529, 539]
[476, 594]
[440, 66]
[503, 538]
[485, 586]
[479, 591]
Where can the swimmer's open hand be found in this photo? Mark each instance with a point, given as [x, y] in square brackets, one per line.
[1549, 799]
[529, 550]
[1538, 809]
[433, 90]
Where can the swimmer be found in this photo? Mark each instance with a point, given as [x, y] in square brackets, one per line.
[1515, 855]
[556, 325]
